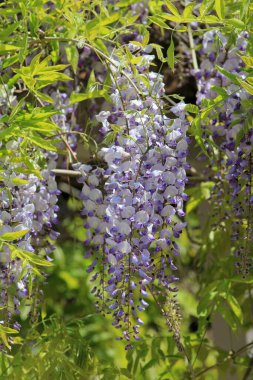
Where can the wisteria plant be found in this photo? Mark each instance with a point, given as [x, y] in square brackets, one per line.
[126, 189]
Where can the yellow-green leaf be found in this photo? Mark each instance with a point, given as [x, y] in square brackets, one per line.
[31, 257]
[220, 8]
[42, 143]
[236, 23]
[7, 48]
[247, 86]
[72, 57]
[235, 306]
[174, 18]
[172, 8]
[74, 98]
[188, 10]
[170, 55]
[247, 60]
[10, 236]
[44, 97]
[7, 330]
[19, 181]
[159, 22]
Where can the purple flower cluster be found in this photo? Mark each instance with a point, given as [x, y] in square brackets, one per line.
[228, 127]
[27, 204]
[134, 203]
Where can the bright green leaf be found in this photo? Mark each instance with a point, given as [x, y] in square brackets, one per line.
[10, 236]
[220, 8]
[170, 55]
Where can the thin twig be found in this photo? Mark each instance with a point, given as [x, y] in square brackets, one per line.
[248, 370]
[71, 173]
[192, 47]
[193, 51]
[229, 357]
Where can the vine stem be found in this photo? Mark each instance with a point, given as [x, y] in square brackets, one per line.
[71, 173]
[193, 51]
[192, 47]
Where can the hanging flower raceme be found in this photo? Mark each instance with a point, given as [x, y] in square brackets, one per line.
[28, 213]
[230, 129]
[134, 203]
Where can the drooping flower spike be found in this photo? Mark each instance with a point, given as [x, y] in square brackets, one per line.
[134, 204]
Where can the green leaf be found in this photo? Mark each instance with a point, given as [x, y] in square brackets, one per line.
[110, 138]
[7, 132]
[52, 68]
[249, 80]
[72, 56]
[17, 107]
[29, 256]
[247, 86]
[205, 7]
[34, 65]
[210, 19]
[172, 8]
[227, 315]
[92, 82]
[234, 78]
[221, 91]
[74, 97]
[173, 18]
[244, 11]
[10, 236]
[101, 46]
[8, 30]
[192, 108]
[196, 131]
[188, 10]
[235, 306]
[10, 61]
[159, 52]
[7, 48]
[115, 128]
[7, 330]
[53, 76]
[19, 181]
[42, 143]
[157, 20]
[5, 339]
[170, 55]
[146, 37]
[220, 8]
[39, 125]
[125, 3]
[44, 97]
[236, 23]
[13, 80]
[238, 279]
[23, 51]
